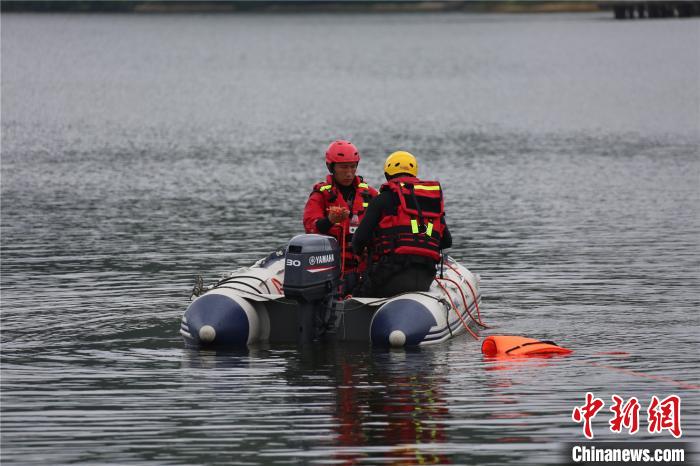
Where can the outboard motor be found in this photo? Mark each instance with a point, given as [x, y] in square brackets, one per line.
[311, 277]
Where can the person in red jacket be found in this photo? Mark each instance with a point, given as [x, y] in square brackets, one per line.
[337, 205]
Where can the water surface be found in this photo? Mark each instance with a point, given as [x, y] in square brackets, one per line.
[141, 150]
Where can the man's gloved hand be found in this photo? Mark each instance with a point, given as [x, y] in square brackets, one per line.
[337, 214]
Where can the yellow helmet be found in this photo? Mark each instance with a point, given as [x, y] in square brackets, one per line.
[401, 162]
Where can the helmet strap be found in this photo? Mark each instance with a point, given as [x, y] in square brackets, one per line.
[395, 175]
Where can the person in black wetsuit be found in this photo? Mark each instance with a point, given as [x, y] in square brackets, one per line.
[404, 230]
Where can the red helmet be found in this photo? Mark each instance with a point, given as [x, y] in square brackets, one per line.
[342, 151]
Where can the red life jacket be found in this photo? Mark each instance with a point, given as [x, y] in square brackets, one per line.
[418, 225]
[333, 197]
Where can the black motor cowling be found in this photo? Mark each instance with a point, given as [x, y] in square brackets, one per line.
[312, 267]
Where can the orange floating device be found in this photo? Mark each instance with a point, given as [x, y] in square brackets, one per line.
[511, 345]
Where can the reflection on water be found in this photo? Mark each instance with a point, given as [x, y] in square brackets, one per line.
[396, 410]
[385, 406]
[140, 151]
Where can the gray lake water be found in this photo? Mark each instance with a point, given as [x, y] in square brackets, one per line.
[141, 150]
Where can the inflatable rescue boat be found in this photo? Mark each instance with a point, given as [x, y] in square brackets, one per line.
[291, 295]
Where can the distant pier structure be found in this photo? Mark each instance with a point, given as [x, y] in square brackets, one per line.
[667, 9]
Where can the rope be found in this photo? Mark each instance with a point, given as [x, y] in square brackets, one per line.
[277, 284]
[257, 294]
[476, 302]
[466, 305]
[223, 285]
[233, 278]
[471, 332]
[342, 251]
